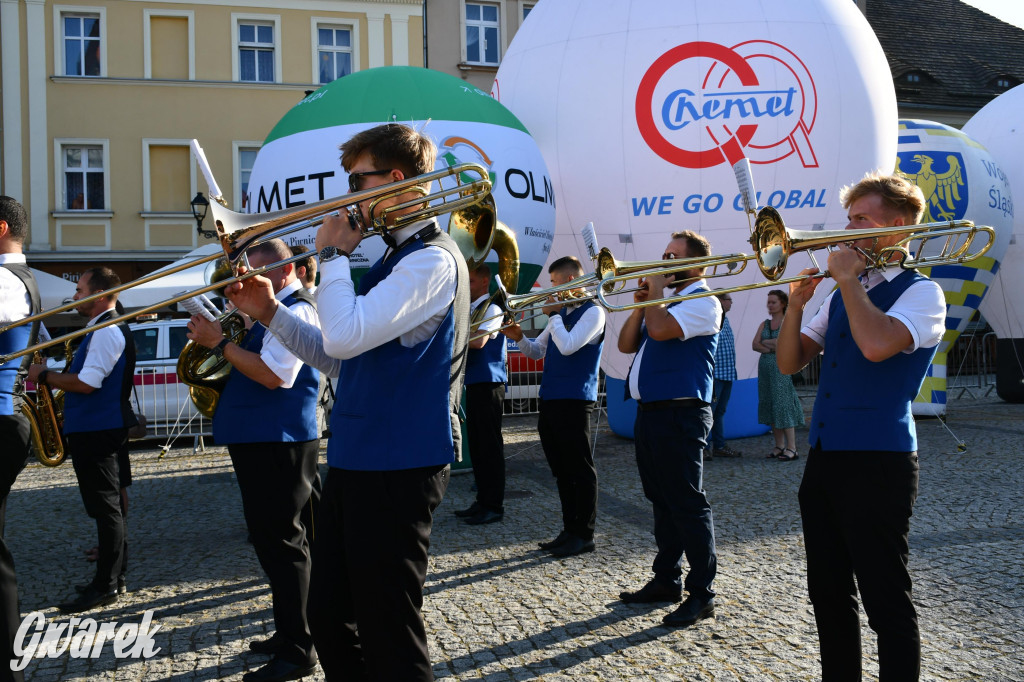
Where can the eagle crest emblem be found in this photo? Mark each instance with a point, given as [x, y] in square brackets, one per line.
[942, 182]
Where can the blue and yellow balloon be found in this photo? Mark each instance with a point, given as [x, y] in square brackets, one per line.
[960, 181]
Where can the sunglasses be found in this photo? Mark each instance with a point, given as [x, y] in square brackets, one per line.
[355, 183]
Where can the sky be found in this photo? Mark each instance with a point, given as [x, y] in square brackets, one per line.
[1010, 11]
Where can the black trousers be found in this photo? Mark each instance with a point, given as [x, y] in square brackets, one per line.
[369, 567]
[275, 480]
[484, 408]
[856, 509]
[14, 450]
[564, 429]
[670, 444]
[94, 456]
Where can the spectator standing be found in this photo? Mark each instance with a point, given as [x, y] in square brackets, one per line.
[778, 405]
[724, 374]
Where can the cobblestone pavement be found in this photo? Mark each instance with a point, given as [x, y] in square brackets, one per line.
[498, 609]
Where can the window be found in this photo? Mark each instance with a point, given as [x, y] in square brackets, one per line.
[526, 10]
[146, 341]
[177, 337]
[482, 28]
[1002, 83]
[84, 178]
[82, 46]
[913, 78]
[244, 157]
[334, 52]
[256, 52]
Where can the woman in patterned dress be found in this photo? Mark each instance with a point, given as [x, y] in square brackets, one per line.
[777, 403]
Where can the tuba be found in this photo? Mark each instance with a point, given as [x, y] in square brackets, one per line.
[45, 416]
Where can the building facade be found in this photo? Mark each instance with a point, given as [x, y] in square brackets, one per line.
[467, 39]
[99, 101]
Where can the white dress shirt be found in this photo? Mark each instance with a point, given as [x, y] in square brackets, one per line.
[696, 317]
[921, 309]
[104, 350]
[274, 354]
[14, 300]
[409, 304]
[587, 330]
[491, 317]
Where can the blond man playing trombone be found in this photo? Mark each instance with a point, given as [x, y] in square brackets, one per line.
[879, 330]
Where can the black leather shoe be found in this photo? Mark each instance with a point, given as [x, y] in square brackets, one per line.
[573, 546]
[270, 645]
[652, 593]
[468, 511]
[279, 670]
[484, 516]
[690, 611]
[122, 586]
[562, 537]
[89, 599]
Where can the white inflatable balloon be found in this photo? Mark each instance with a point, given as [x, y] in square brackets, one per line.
[960, 180]
[641, 108]
[1000, 127]
[299, 161]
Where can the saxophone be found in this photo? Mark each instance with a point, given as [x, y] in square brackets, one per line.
[45, 416]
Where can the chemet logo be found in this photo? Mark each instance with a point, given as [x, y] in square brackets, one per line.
[701, 104]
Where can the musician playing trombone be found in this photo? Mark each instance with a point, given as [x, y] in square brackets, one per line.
[399, 343]
[571, 345]
[266, 415]
[671, 379]
[19, 298]
[879, 331]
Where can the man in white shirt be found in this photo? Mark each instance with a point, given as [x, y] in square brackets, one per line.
[398, 345]
[97, 414]
[671, 380]
[485, 403]
[19, 297]
[879, 331]
[571, 346]
[266, 415]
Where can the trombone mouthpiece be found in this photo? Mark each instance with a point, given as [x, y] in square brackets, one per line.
[590, 239]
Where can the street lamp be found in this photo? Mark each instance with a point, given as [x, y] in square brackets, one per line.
[200, 205]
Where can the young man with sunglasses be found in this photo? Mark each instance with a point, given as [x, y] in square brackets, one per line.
[399, 343]
[671, 380]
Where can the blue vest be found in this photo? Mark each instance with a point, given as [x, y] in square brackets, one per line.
[864, 405]
[571, 377]
[108, 407]
[487, 365]
[16, 339]
[676, 368]
[401, 404]
[249, 412]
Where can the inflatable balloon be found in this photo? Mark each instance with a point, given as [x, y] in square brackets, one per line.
[960, 180]
[299, 160]
[1000, 127]
[642, 107]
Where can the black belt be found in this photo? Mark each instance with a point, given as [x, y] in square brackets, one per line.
[669, 404]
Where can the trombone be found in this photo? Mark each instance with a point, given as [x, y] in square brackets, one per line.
[773, 243]
[469, 200]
